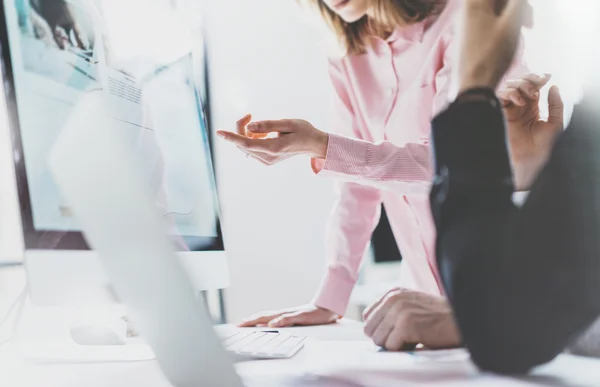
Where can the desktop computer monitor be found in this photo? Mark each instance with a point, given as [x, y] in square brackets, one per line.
[144, 56]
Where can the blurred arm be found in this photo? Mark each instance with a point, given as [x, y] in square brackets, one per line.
[523, 283]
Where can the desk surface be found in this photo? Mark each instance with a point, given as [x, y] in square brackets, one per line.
[338, 349]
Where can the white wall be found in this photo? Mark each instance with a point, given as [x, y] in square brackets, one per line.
[562, 43]
[266, 59]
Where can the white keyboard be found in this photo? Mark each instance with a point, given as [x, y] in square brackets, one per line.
[263, 344]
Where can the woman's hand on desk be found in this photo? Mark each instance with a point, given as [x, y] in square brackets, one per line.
[303, 315]
[271, 142]
[402, 319]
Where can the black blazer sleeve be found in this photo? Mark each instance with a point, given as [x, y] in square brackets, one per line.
[523, 282]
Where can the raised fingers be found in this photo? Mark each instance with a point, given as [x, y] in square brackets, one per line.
[556, 106]
[241, 124]
[519, 91]
[512, 96]
[538, 80]
[525, 86]
[530, 84]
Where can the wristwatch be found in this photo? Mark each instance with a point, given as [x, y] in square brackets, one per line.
[479, 94]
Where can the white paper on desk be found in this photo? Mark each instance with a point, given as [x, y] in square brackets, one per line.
[360, 363]
[404, 377]
[374, 368]
[364, 365]
[364, 355]
[442, 355]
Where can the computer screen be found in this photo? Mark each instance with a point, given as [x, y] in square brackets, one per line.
[143, 56]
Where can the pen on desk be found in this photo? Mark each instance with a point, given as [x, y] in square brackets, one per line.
[408, 352]
[83, 72]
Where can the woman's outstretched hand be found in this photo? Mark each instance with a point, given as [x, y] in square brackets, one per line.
[271, 142]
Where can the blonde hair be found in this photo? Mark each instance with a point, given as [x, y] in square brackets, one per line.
[355, 38]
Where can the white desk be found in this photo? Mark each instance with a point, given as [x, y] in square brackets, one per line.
[335, 348]
[340, 348]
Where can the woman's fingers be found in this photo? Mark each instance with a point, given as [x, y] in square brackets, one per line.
[259, 319]
[244, 142]
[243, 131]
[235, 138]
[303, 315]
[303, 318]
[241, 124]
[271, 126]
[269, 146]
[267, 152]
[268, 142]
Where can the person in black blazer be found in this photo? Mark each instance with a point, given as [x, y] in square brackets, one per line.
[523, 282]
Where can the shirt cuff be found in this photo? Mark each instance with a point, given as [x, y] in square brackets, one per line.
[344, 155]
[335, 291]
[469, 141]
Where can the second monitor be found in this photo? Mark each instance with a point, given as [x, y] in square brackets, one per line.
[149, 76]
[150, 80]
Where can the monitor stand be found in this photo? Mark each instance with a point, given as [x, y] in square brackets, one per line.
[75, 335]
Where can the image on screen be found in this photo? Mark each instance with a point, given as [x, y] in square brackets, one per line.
[144, 66]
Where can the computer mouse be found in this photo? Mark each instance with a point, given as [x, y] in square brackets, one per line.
[97, 335]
